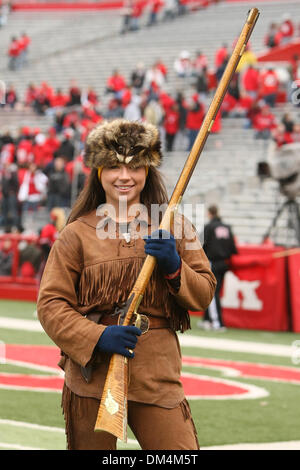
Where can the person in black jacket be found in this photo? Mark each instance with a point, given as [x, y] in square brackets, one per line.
[219, 246]
[9, 185]
[59, 186]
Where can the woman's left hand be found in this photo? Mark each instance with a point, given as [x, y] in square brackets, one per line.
[162, 245]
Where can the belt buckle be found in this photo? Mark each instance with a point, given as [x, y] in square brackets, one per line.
[141, 321]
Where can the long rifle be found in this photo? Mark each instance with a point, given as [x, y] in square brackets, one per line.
[112, 414]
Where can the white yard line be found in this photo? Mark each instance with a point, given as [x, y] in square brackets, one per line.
[233, 345]
[185, 340]
[40, 427]
[289, 445]
[22, 424]
[20, 324]
[17, 447]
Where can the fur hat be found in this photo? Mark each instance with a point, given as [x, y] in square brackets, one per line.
[122, 141]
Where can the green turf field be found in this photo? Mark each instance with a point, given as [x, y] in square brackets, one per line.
[33, 419]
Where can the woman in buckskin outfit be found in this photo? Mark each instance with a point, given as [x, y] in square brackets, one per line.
[91, 270]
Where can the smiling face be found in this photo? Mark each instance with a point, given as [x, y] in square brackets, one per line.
[122, 182]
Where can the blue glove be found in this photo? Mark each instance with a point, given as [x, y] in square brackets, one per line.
[164, 250]
[118, 339]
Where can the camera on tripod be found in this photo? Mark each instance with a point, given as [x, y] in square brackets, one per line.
[283, 165]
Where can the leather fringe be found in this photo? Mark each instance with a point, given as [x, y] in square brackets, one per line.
[186, 411]
[65, 404]
[112, 282]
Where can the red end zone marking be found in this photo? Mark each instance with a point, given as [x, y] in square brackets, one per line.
[32, 354]
[246, 369]
[31, 381]
[195, 386]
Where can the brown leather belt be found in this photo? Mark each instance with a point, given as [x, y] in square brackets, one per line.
[155, 323]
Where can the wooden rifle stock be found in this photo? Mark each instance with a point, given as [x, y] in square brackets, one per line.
[112, 414]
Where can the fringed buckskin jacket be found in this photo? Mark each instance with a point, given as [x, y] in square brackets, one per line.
[86, 273]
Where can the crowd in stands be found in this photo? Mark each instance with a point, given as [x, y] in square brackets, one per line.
[155, 11]
[45, 168]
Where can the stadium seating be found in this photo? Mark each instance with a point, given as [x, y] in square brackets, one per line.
[87, 46]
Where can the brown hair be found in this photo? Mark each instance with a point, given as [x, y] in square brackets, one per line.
[214, 211]
[93, 194]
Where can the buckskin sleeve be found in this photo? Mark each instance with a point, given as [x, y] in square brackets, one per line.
[75, 335]
[197, 282]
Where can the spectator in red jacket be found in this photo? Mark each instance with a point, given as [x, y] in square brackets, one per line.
[171, 125]
[59, 99]
[136, 13]
[126, 96]
[14, 52]
[281, 136]
[7, 153]
[160, 65]
[221, 59]
[195, 116]
[40, 151]
[92, 96]
[33, 189]
[228, 105]
[250, 81]
[286, 29]
[52, 143]
[264, 122]
[24, 43]
[31, 94]
[269, 85]
[43, 98]
[273, 37]
[24, 151]
[115, 84]
[74, 94]
[11, 97]
[156, 6]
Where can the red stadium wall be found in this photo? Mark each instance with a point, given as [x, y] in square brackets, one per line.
[86, 5]
[256, 1]
[20, 284]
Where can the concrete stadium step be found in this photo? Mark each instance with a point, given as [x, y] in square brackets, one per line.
[124, 51]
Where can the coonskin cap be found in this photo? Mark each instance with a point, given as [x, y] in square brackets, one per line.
[121, 141]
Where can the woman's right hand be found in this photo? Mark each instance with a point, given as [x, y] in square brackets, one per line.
[118, 339]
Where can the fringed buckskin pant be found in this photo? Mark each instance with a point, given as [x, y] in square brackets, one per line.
[154, 427]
